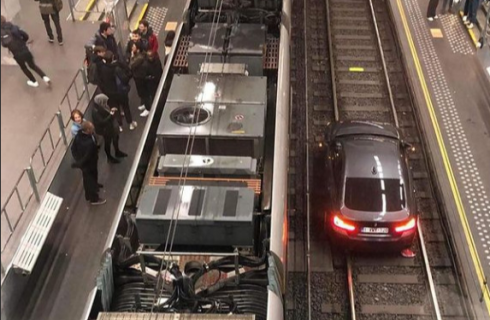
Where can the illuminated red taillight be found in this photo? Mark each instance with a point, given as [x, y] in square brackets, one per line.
[407, 226]
[342, 224]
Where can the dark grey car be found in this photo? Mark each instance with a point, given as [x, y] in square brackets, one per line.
[371, 196]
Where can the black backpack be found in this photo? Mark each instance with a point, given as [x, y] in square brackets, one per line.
[93, 74]
[7, 38]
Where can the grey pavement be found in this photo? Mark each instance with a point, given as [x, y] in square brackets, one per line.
[26, 111]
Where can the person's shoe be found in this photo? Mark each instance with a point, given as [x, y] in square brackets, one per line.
[33, 84]
[120, 129]
[50, 40]
[47, 80]
[430, 19]
[436, 17]
[113, 160]
[142, 107]
[133, 125]
[470, 25]
[465, 18]
[145, 113]
[121, 154]
[60, 42]
[98, 202]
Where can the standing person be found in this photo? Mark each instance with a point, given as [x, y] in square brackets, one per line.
[15, 39]
[105, 125]
[146, 33]
[154, 74]
[77, 118]
[85, 152]
[431, 10]
[108, 84]
[105, 38]
[135, 37]
[52, 8]
[470, 10]
[139, 69]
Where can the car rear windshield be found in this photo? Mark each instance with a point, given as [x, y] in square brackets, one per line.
[375, 195]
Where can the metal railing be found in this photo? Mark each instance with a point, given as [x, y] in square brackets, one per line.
[54, 135]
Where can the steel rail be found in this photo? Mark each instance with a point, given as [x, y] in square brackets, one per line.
[332, 62]
[308, 237]
[350, 285]
[425, 257]
[383, 61]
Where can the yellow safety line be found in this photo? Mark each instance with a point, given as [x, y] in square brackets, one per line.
[87, 10]
[470, 31]
[140, 17]
[447, 164]
[356, 69]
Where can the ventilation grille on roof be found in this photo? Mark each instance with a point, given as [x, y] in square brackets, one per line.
[190, 116]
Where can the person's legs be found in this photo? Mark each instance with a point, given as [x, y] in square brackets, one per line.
[431, 9]
[56, 20]
[33, 66]
[475, 5]
[90, 184]
[47, 25]
[115, 142]
[466, 9]
[114, 103]
[22, 64]
[124, 102]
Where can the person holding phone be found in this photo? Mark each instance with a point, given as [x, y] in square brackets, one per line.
[106, 125]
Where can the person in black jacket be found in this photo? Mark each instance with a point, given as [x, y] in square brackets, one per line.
[105, 125]
[105, 38]
[52, 8]
[139, 69]
[85, 153]
[154, 73]
[108, 70]
[15, 39]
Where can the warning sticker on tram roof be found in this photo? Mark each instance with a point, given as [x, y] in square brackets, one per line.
[239, 117]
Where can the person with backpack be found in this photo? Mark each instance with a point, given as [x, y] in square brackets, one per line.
[95, 59]
[86, 155]
[52, 8]
[105, 125]
[15, 40]
[108, 70]
[147, 34]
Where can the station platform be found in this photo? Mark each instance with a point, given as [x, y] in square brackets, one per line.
[66, 271]
[452, 92]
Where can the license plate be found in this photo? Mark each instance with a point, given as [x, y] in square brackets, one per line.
[374, 230]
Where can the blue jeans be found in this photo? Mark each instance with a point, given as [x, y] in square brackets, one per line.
[470, 9]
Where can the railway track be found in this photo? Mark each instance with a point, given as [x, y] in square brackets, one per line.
[346, 66]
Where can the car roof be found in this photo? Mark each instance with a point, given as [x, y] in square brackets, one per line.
[372, 157]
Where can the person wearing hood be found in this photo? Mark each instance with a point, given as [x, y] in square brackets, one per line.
[15, 40]
[146, 32]
[106, 126]
[85, 153]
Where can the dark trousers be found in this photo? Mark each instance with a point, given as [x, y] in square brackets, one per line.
[111, 139]
[26, 59]
[152, 87]
[121, 102]
[446, 5]
[431, 9]
[143, 92]
[471, 8]
[56, 19]
[90, 176]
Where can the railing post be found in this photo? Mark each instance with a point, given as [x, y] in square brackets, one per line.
[32, 180]
[62, 127]
[85, 83]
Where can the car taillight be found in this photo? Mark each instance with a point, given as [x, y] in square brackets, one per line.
[407, 226]
[342, 224]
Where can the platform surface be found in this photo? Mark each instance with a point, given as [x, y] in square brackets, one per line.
[452, 93]
[61, 287]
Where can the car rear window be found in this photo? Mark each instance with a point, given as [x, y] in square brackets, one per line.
[377, 195]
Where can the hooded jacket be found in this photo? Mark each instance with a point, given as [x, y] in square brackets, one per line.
[107, 77]
[152, 40]
[84, 150]
[104, 121]
[109, 43]
[18, 43]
